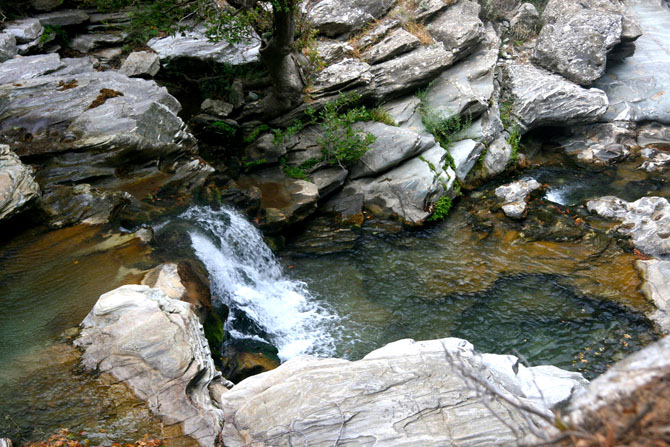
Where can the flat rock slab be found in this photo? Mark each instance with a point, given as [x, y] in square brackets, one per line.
[406, 393]
[63, 17]
[17, 185]
[637, 87]
[656, 287]
[646, 220]
[335, 17]
[141, 63]
[28, 67]
[397, 43]
[458, 28]
[25, 30]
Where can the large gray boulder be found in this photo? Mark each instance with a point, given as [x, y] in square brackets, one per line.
[458, 28]
[514, 196]
[542, 98]
[157, 346]
[335, 17]
[392, 146]
[17, 185]
[141, 64]
[87, 125]
[194, 45]
[646, 221]
[24, 30]
[7, 47]
[637, 87]
[406, 393]
[395, 44]
[576, 46]
[656, 287]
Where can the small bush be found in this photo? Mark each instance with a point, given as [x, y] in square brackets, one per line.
[441, 209]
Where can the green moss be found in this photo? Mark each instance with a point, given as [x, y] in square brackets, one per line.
[223, 128]
[214, 331]
[441, 210]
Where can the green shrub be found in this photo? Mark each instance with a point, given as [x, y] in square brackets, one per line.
[514, 140]
[441, 210]
[223, 128]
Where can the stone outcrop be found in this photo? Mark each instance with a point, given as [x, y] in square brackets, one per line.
[17, 185]
[646, 221]
[7, 47]
[576, 46]
[70, 205]
[397, 43]
[542, 98]
[141, 63]
[335, 17]
[407, 393]
[656, 287]
[156, 344]
[458, 28]
[603, 144]
[514, 196]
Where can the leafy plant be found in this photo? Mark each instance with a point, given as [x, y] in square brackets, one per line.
[441, 210]
[223, 128]
[56, 32]
[248, 165]
[296, 172]
[514, 139]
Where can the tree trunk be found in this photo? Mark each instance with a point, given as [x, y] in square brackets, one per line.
[278, 57]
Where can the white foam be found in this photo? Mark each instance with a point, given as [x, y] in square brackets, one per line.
[247, 277]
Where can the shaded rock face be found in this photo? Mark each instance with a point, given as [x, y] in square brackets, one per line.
[514, 196]
[334, 17]
[543, 98]
[604, 143]
[331, 401]
[637, 86]
[656, 287]
[70, 205]
[156, 345]
[25, 30]
[576, 46]
[83, 125]
[646, 220]
[17, 185]
[141, 63]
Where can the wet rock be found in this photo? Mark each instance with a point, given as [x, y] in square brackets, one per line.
[604, 143]
[622, 381]
[458, 28]
[157, 346]
[17, 185]
[543, 98]
[217, 108]
[347, 74]
[141, 63]
[466, 88]
[656, 287]
[654, 160]
[409, 71]
[637, 87]
[514, 196]
[654, 134]
[70, 205]
[329, 180]
[7, 47]
[646, 221]
[244, 358]
[332, 51]
[88, 42]
[576, 46]
[365, 401]
[407, 191]
[397, 43]
[25, 30]
[392, 146]
[194, 45]
[63, 17]
[334, 17]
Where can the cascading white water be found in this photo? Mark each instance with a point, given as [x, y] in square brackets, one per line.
[247, 277]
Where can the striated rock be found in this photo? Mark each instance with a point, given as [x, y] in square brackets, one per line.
[392, 146]
[576, 47]
[542, 98]
[406, 113]
[7, 47]
[465, 154]
[194, 45]
[63, 17]
[331, 51]
[377, 33]
[637, 87]
[407, 192]
[466, 88]
[426, 10]
[242, 358]
[23, 68]
[329, 180]
[600, 143]
[397, 43]
[497, 156]
[458, 28]
[347, 74]
[335, 17]
[141, 63]
[17, 185]
[622, 381]
[409, 71]
[646, 221]
[656, 287]
[365, 402]
[71, 205]
[157, 346]
[88, 42]
[654, 134]
[25, 30]
[514, 196]
[654, 160]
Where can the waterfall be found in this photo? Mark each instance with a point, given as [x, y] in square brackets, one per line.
[246, 276]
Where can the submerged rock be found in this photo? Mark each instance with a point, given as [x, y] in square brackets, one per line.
[656, 287]
[70, 205]
[17, 185]
[514, 196]
[541, 98]
[156, 345]
[646, 221]
[366, 402]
